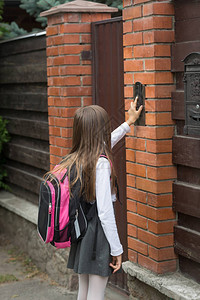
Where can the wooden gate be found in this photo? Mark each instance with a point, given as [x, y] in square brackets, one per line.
[108, 92]
[23, 93]
[186, 149]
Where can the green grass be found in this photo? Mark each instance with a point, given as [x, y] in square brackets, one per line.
[18, 256]
[7, 278]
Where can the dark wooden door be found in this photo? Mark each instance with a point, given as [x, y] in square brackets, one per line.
[108, 92]
[186, 148]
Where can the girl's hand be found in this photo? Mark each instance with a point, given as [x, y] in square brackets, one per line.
[133, 113]
[116, 263]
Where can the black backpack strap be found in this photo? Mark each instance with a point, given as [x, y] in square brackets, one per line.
[90, 211]
[95, 241]
[74, 197]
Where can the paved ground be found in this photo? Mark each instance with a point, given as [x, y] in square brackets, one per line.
[20, 279]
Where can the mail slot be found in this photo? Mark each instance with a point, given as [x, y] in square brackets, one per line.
[192, 94]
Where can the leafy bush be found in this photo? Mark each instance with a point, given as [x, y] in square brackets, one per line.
[4, 138]
[35, 7]
[11, 30]
[2, 29]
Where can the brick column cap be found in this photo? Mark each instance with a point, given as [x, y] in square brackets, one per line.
[79, 6]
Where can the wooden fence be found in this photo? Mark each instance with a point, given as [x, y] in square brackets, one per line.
[23, 94]
[186, 148]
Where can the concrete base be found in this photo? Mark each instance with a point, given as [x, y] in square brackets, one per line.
[144, 284]
[140, 290]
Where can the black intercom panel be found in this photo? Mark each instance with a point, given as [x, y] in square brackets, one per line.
[139, 90]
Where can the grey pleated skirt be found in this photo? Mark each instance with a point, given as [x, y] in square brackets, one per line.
[91, 255]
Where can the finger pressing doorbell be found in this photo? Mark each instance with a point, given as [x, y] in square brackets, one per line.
[139, 90]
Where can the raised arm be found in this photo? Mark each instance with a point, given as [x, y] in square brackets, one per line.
[119, 133]
[124, 128]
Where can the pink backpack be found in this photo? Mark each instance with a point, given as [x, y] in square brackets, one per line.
[53, 214]
[61, 219]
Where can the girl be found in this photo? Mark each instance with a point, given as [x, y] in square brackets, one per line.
[99, 253]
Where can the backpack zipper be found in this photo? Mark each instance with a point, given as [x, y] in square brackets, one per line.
[57, 202]
[50, 211]
[57, 207]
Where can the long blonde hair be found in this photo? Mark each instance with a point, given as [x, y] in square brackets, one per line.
[91, 138]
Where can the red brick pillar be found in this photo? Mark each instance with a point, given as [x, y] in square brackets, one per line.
[148, 35]
[69, 74]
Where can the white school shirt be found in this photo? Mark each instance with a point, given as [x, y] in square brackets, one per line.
[104, 198]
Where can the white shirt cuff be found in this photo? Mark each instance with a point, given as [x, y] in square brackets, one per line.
[117, 252]
[126, 127]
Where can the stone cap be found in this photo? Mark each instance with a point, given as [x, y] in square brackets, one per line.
[174, 285]
[79, 6]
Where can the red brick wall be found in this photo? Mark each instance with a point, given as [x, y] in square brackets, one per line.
[148, 34]
[69, 76]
